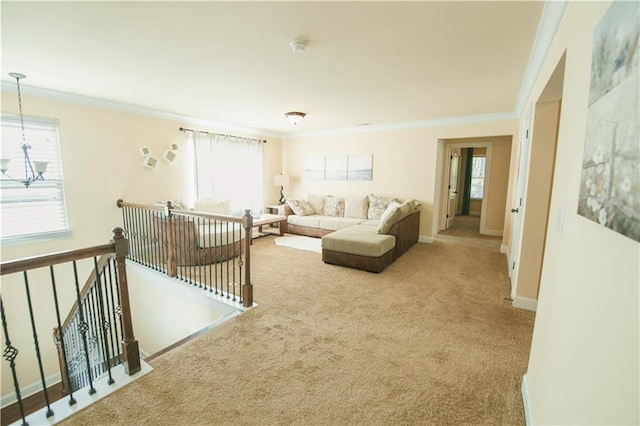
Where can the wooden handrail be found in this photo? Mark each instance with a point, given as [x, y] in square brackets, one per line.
[175, 232]
[13, 266]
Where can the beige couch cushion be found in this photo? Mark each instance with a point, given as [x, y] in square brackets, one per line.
[208, 205]
[360, 240]
[335, 223]
[312, 221]
[317, 202]
[356, 207]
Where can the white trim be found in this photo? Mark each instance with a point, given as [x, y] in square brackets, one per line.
[525, 303]
[440, 122]
[134, 109]
[552, 13]
[526, 401]
[492, 232]
[425, 239]
[504, 249]
[549, 22]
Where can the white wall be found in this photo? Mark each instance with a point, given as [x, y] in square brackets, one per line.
[583, 367]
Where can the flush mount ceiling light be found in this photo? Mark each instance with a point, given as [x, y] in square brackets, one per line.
[298, 45]
[295, 116]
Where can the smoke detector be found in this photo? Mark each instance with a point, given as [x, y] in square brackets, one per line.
[298, 45]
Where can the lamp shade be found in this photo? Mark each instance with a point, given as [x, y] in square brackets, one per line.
[280, 180]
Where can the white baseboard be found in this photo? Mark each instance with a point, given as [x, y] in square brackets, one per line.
[504, 249]
[526, 402]
[525, 303]
[423, 239]
[491, 232]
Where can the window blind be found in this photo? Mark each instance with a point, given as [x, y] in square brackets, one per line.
[41, 208]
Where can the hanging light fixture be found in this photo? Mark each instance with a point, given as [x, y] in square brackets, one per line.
[294, 116]
[32, 172]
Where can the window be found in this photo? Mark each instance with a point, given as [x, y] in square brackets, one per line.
[39, 209]
[230, 168]
[477, 177]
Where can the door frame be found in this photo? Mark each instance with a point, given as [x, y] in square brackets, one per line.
[517, 202]
[442, 182]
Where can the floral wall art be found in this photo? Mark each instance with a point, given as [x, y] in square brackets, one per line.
[610, 184]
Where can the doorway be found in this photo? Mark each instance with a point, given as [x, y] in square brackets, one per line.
[531, 207]
[486, 209]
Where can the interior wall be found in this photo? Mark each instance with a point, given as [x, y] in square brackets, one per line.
[101, 163]
[404, 162]
[583, 366]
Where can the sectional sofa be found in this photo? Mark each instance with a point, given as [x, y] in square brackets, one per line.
[367, 233]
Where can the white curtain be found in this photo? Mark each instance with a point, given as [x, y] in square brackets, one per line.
[230, 168]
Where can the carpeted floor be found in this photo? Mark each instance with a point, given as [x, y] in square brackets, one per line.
[430, 340]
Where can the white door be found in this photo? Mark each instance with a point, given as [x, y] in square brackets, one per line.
[452, 204]
[517, 206]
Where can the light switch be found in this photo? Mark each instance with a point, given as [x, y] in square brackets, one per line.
[559, 219]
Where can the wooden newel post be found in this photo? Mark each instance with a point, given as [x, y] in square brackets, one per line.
[172, 266]
[130, 350]
[247, 287]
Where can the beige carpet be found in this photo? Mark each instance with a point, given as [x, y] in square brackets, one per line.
[430, 340]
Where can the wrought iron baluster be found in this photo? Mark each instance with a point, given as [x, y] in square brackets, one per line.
[226, 247]
[83, 327]
[217, 227]
[10, 354]
[60, 336]
[104, 324]
[37, 345]
[199, 251]
[112, 311]
[234, 228]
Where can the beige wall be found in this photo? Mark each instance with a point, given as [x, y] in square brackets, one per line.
[583, 366]
[405, 162]
[537, 198]
[101, 163]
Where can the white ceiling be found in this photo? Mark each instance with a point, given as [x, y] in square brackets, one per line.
[230, 62]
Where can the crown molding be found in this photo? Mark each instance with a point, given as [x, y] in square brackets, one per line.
[134, 109]
[552, 13]
[441, 122]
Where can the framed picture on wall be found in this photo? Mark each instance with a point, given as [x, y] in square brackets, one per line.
[314, 168]
[360, 167]
[336, 167]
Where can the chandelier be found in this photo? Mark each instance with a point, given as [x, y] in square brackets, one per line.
[32, 172]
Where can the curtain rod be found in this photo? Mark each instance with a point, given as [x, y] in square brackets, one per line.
[184, 129]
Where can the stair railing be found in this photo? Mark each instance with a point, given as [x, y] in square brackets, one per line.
[208, 251]
[87, 341]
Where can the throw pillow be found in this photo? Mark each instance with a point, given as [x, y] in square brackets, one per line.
[389, 217]
[356, 207]
[301, 207]
[317, 202]
[334, 206]
[377, 206]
